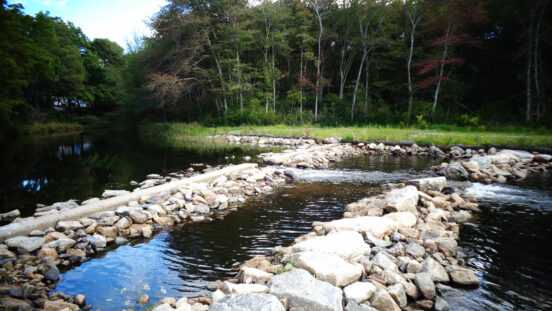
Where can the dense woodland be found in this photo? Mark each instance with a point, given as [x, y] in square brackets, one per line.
[413, 63]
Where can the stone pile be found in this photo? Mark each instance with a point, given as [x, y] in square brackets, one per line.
[495, 167]
[314, 157]
[395, 251]
[30, 265]
[266, 141]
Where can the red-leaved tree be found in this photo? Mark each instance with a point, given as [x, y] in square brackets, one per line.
[448, 22]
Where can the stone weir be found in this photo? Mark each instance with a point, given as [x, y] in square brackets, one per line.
[34, 249]
[391, 252]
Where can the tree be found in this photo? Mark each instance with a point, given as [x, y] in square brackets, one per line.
[318, 6]
[414, 12]
[448, 20]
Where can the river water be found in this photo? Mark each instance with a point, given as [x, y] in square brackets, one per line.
[508, 243]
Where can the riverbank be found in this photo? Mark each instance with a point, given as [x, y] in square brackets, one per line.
[178, 134]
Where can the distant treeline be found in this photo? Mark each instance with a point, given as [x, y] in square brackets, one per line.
[412, 62]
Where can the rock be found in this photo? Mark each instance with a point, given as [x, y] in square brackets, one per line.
[353, 306]
[471, 166]
[431, 183]
[302, 290]
[435, 270]
[413, 267]
[378, 227]
[113, 193]
[464, 276]
[332, 140]
[402, 200]
[542, 158]
[125, 210]
[359, 292]
[382, 260]
[231, 288]
[455, 171]
[425, 304]
[47, 252]
[382, 301]
[61, 245]
[398, 294]
[291, 174]
[328, 267]
[415, 250]
[253, 275]
[140, 216]
[69, 225]
[460, 217]
[378, 242]
[201, 209]
[9, 303]
[123, 223]
[163, 307]
[425, 284]
[346, 244]
[404, 219]
[441, 304]
[484, 163]
[52, 274]
[143, 299]
[248, 302]
[90, 201]
[447, 246]
[30, 244]
[76, 252]
[98, 241]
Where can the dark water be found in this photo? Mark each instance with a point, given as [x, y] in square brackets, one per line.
[51, 169]
[182, 262]
[510, 247]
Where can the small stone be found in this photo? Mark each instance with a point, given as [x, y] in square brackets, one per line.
[80, 300]
[398, 294]
[98, 241]
[143, 299]
[464, 276]
[415, 250]
[359, 292]
[382, 301]
[441, 304]
[425, 304]
[52, 274]
[47, 252]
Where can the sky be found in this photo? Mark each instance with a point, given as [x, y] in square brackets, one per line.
[116, 20]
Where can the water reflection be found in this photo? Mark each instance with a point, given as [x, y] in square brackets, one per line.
[52, 169]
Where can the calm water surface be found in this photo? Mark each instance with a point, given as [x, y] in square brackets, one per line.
[51, 169]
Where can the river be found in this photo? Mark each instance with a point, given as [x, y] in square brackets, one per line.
[508, 243]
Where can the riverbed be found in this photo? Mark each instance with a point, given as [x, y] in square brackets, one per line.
[508, 243]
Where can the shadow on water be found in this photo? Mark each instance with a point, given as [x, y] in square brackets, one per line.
[183, 261]
[51, 169]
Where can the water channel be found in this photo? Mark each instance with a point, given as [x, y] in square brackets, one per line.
[508, 243]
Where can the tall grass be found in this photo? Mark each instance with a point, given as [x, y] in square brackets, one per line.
[52, 128]
[182, 133]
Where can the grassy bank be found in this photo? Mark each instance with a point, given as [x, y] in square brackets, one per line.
[52, 128]
[189, 137]
[179, 134]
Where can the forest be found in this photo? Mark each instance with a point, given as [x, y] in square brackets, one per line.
[231, 62]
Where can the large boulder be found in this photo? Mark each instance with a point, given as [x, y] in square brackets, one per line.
[328, 267]
[30, 244]
[464, 276]
[402, 200]
[404, 219]
[431, 183]
[378, 227]
[483, 162]
[456, 171]
[302, 290]
[346, 244]
[248, 302]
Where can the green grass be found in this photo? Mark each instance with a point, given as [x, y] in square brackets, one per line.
[52, 128]
[190, 136]
[182, 133]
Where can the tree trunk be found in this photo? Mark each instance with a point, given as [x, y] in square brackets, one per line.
[273, 77]
[301, 88]
[441, 70]
[359, 74]
[528, 76]
[409, 64]
[367, 85]
[266, 76]
[221, 77]
[318, 64]
[239, 81]
[536, 64]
